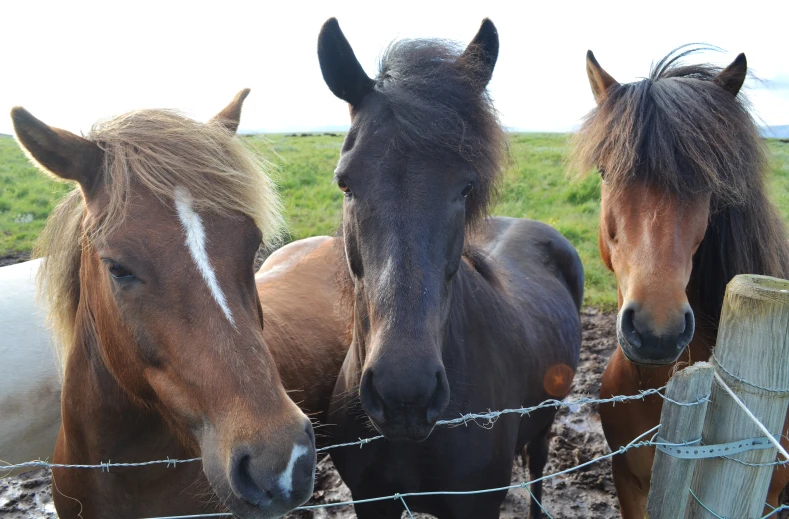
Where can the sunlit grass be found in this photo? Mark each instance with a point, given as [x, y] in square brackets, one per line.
[535, 186]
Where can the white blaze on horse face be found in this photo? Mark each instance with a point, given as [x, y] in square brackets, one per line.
[195, 242]
[286, 478]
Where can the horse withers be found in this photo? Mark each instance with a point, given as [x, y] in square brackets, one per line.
[684, 209]
[148, 271]
[452, 311]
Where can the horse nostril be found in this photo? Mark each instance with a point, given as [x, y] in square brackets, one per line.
[627, 326]
[310, 432]
[440, 398]
[274, 477]
[243, 483]
[370, 398]
[687, 334]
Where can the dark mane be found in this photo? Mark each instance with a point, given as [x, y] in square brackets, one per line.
[681, 131]
[441, 107]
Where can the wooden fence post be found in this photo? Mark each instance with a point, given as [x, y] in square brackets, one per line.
[670, 475]
[752, 357]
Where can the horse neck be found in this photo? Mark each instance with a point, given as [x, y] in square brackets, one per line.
[747, 239]
[700, 347]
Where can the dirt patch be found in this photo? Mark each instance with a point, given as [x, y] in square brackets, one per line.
[27, 496]
[577, 437]
[13, 257]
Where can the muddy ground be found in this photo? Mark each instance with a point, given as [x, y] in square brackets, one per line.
[13, 257]
[577, 437]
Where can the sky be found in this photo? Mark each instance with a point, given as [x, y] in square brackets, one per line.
[71, 63]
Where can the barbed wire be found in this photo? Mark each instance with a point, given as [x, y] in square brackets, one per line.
[488, 419]
[637, 442]
[718, 516]
[105, 467]
[485, 420]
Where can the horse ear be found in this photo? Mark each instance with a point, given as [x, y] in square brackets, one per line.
[484, 50]
[599, 79]
[732, 77]
[230, 116]
[59, 152]
[342, 72]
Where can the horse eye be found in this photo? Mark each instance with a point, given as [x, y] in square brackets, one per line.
[344, 187]
[118, 271]
[467, 190]
[601, 170]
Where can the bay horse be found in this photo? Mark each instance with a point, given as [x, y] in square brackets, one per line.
[148, 271]
[684, 209]
[452, 311]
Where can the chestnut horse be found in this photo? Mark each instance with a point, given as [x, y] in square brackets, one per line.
[452, 312]
[291, 278]
[684, 209]
[149, 273]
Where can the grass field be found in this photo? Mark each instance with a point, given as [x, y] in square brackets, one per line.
[535, 187]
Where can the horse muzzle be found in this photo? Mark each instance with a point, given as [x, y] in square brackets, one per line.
[643, 343]
[405, 407]
[266, 479]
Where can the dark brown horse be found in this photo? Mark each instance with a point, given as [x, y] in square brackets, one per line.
[684, 209]
[452, 312]
[149, 270]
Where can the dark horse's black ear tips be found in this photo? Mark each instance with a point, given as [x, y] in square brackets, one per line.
[484, 50]
[732, 77]
[342, 72]
[488, 39]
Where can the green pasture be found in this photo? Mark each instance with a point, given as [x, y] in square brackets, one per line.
[535, 186]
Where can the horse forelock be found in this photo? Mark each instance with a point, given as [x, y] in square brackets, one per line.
[165, 153]
[676, 129]
[162, 150]
[439, 108]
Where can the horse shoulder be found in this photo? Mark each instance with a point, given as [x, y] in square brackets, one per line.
[537, 249]
[538, 279]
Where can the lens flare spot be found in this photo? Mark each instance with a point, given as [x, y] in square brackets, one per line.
[558, 379]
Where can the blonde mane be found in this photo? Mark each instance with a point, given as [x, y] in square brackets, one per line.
[158, 150]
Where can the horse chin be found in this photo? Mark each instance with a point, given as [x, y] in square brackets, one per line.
[404, 433]
[635, 355]
[243, 508]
